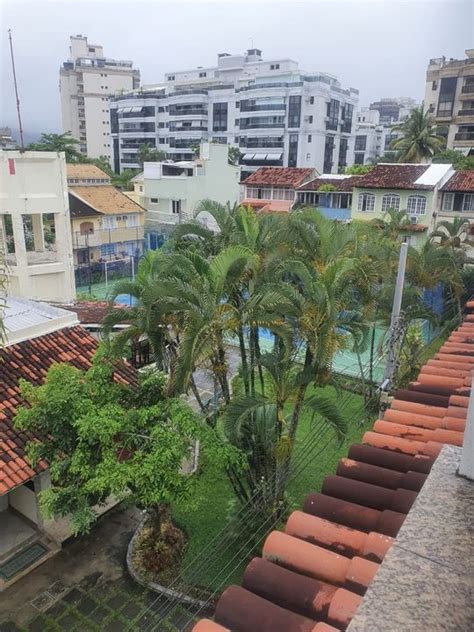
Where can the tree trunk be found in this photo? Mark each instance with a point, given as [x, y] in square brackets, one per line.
[371, 361]
[195, 391]
[159, 516]
[243, 358]
[258, 355]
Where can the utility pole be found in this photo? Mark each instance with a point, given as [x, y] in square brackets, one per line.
[395, 320]
[22, 143]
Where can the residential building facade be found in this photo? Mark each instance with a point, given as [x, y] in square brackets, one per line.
[6, 140]
[274, 188]
[449, 96]
[330, 193]
[35, 225]
[86, 82]
[393, 109]
[413, 188]
[171, 191]
[275, 113]
[106, 224]
[457, 196]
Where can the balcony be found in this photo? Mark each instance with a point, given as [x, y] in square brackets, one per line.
[261, 125]
[466, 112]
[464, 136]
[262, 107]
[469, 89]
[187, 129]
[106, 236]
[34, 258]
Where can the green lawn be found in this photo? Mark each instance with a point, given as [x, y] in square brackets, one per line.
[212, 505]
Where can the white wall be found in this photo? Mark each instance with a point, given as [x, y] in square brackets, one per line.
[23, 500]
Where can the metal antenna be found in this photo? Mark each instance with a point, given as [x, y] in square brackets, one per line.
[16, 91]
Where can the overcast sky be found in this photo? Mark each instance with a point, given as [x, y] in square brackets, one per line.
[380, 47]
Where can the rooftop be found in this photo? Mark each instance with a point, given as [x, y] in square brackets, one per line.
[279, 176]
[91, 312]
[31, 359]
[23, 318]
[105, 199]
[376, 528]
[460, 181]
[85, 172]
[395, 176]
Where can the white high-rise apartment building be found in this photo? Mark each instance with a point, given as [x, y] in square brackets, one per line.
[87, 81]
[449, 96]
[275, 113]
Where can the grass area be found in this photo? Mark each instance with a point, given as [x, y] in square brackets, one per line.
[211, 510]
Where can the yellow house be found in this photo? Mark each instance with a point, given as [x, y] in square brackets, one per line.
[106, 224]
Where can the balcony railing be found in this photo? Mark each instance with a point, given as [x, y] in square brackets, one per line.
[187, 112]
[469, 89]
[464, 136]
[466, 112]
[106, 236]
[261, 125]
[187, 129]
[261, 107]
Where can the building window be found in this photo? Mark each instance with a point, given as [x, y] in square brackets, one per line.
[203, 74]
[108, 250]
[176, 207]
[416, 204]
[328, 154]
[468, 202]
[132, 220]
[360, 143]
[311, 100]
[294, 111]
[283, 194]
[171, 77]
[448, 201]
[154, 200]
[343, 146]
[274, 66]
[109, 222]
[310, 138]
[91, 50]
[447, 92]
[434, 85]
[219, 117]
[310, 119]
[293, 150]
[359, 159]
[252, 193]
[366, 202]
[390, 201]
[333, 114]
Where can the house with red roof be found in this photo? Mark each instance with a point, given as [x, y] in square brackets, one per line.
[457, 196]
[37, 335]
[274, 188]
[330, 193]
[414, 188]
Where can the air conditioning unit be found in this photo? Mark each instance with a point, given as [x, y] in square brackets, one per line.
[414, 219]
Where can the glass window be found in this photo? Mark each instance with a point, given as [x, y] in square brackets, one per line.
[132, 220]
[265, 193]
[176, 206]
[109, 222]
[448, 201]
[154, 200]
[366, 202]
[390, 201]
[252, 192]
[282, 194]
[416, 204]
[106, 250]
[310, 138]
[360, 143]
[468, 202]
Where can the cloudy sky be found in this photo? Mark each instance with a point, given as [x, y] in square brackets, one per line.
[379, 46]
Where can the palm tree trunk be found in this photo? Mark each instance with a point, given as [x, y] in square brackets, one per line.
[252, 360]
[243, 359]
[222, 370]
[258, 355]
[371, 360]
[195, 391]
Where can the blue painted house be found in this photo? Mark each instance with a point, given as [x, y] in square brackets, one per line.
[334, 200]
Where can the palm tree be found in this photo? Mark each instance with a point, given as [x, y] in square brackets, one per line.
[123, 180]
[148, 153]
[393, 223]
[454, 235]
[419, 141]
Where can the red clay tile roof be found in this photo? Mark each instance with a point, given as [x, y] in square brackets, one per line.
[31, 360]
[313, 575]
[91, 312]
[279, 176]
[394, 176]
[342, 185]
[460, 181]
[278, 206]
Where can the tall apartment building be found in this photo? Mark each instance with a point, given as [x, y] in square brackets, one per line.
[374, 133]
[275, 113]
[86, 82]
[449, 95]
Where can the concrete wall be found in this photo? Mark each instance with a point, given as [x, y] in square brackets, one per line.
[23, 500]
[403, 193]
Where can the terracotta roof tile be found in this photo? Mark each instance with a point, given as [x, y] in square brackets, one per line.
[92, 312]
[462, 181]
[314, 573]
[279, 176]
[79, 347]
[106, 199]
[86, 171]
[394, 176]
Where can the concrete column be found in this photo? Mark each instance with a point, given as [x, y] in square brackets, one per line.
[38, 232]
[19, 238]
[41, 482]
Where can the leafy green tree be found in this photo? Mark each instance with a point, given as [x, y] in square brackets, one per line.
[390, 156]
[124, 180]
[59, 143]
[454, 157]
[148, 153]
[103, 163]
[393, 223]
[419, 141]
[454, 235]
[233, 155]
[102, 439]
[358, 170]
